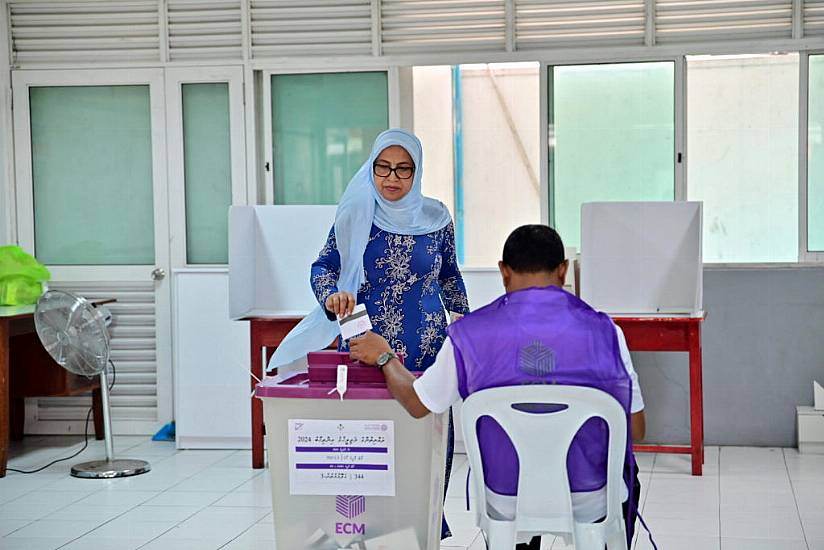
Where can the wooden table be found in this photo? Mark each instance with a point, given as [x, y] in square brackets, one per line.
[265, 335]
[19, 345]
[674, 334]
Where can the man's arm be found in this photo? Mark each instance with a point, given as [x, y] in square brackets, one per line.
[638, 422]
[639, 426]
[367, 349]
[399, 381]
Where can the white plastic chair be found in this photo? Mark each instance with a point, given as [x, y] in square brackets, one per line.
[544, 502]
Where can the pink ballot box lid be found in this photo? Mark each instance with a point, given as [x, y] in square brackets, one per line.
[364, 382]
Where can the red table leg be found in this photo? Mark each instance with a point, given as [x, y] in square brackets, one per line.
[256, 364]
[696, 400]
[4, 395]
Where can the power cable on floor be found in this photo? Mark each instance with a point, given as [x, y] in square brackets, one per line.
[85, 435]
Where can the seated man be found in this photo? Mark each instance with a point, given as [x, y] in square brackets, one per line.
[497, 346]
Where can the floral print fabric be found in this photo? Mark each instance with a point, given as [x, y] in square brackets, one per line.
[409, 279]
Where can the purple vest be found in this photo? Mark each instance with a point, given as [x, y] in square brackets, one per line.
[541, 336]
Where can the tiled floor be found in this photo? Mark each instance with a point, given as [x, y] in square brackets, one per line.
[749, 498]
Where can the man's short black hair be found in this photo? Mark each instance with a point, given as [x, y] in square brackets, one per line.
[533, 249]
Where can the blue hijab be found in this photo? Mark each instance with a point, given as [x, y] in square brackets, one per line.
[360, 206]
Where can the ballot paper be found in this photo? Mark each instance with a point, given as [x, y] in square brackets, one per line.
[356, 323]
[405, 539]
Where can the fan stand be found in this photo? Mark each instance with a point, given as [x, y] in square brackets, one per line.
[111, 467]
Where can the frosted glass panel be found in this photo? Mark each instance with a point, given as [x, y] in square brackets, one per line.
[432, 111]
[485, 119]
[323, 126]
[742, 145]
[815, 170]
[208, 168]
[501, 156]
[92, 175]
[612, 138]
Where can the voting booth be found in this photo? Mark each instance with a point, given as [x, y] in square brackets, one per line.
[271, 250]
[642, 258]
[351, 472]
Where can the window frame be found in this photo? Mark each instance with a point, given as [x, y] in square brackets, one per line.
[678, 54]
[266, 195]
[104, 275]
[22, 81]
[679, 123]
[803, 259]
[408, 94]
[806, 256]
[175, 79]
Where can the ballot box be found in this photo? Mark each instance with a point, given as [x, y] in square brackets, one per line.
[351, 472]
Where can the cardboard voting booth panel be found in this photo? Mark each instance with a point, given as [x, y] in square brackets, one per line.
[482, 286]
[271, 250]
[642, 258]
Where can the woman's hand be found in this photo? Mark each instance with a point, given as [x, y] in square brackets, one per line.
[454, 316]
[340, 303]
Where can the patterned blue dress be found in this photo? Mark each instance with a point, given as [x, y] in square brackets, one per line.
[409, 279]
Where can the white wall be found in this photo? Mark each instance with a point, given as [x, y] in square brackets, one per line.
[7, 205]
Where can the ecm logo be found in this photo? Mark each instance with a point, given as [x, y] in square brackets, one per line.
[350, 507]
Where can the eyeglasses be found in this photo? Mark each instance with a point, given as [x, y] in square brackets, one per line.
[403, 172]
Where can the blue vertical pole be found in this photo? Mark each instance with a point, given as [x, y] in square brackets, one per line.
[457, 160]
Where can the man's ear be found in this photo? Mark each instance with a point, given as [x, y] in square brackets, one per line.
[506, 274]
[562, 269]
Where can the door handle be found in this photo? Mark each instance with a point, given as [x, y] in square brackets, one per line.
[158, 274]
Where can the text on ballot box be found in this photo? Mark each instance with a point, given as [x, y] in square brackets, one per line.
[341, 457]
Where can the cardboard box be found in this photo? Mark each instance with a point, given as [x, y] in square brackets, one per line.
[810, 430]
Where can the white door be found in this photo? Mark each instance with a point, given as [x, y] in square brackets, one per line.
[90, 157]
[207, 162]
[207, 174]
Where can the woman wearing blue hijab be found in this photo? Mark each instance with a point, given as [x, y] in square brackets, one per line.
[393, 250]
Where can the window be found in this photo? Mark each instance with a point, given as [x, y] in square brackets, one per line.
[612, 138]
[742, 155]
[92, 175]
[432, 108]
[323, 127]
[815, 160]
[479, 125]
[207, 170]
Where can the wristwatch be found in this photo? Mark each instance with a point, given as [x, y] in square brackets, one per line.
[384, 358]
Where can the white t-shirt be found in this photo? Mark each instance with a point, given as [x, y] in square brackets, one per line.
[437, 389]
